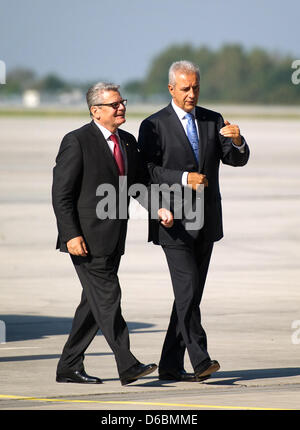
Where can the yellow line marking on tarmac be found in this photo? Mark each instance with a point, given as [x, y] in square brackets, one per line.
[115, 402]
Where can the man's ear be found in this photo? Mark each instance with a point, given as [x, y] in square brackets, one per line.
[95, 112]
[171, 89]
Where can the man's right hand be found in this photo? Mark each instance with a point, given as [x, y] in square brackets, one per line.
[77, 246]
[194, 179]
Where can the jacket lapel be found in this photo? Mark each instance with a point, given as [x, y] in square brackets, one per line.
[203, 136]
[176, 125]
[105, 151]
[124, 147]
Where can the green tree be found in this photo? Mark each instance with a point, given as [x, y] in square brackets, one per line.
[156, 81]
[52, 84]
[230, 74]
[18, 80]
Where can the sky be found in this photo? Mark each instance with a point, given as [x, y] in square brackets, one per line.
[89, 40]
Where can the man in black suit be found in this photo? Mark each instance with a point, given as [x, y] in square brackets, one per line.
[184, 144]
[97, 154]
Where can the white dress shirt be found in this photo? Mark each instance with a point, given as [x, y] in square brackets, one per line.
[106, 133]
[181, 115]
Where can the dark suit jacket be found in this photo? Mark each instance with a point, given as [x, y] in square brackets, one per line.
[166, 150]
[84, 162]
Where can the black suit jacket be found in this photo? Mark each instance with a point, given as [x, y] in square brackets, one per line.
[84, 162]
[166, 150]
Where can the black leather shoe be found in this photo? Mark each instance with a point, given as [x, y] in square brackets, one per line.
[135, 372]
[77, 377]
[179, 375]
[206, 368]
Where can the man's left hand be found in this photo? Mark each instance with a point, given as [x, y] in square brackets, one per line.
[166, 217]
[232, 131]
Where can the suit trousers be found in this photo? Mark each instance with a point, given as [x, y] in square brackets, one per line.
[188, 266]
[100, 308]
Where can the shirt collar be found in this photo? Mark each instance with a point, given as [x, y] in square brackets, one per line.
[180, 112]
[106, 133]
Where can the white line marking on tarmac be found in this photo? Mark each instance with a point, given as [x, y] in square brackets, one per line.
[20, 347]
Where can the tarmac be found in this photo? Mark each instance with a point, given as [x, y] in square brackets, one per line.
[251, 303]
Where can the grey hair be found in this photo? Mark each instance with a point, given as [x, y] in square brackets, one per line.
[182, 66]
[94, 93]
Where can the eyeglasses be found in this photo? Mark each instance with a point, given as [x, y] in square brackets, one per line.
[114, 105]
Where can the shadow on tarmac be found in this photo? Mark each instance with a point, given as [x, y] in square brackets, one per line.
[45, 357]
[236, 377]
[26, 327]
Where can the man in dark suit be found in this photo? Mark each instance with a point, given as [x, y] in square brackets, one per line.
[94, 155]
[184, 144]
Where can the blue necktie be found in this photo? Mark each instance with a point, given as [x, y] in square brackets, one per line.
[192, 134]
